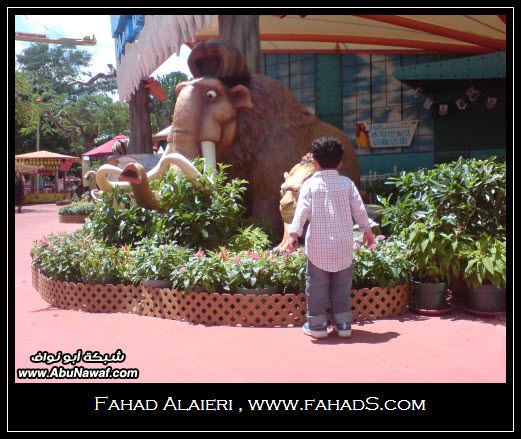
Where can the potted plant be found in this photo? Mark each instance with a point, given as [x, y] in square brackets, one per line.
[75, 212]
[485, 275]
[252, 273]
[290, 273]
[155, 262]
[201, 272]
[383, 264]
[433, 255]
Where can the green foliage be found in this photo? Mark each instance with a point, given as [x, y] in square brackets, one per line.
[290, 274]
[384, 264]
[200, 272]
[485, 262]
[472, 191]
[118, 220]
[78, 208]
[201, 217]
[439, 211]
[156, 262]
[251, 237]
[251, 270]
[59, 256]
[104, 264]
[26, 108]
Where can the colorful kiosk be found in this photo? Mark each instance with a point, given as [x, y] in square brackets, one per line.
[45, 184]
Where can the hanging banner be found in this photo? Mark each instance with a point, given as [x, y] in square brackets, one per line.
[394, 134]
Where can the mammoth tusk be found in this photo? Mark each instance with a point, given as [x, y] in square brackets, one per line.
[96, 195]
[168, 159]
[208, 152]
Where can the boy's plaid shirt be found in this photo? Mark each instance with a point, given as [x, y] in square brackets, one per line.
[329, 202]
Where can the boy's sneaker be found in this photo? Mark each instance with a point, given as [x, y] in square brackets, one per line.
[344, 330]
[314, 332]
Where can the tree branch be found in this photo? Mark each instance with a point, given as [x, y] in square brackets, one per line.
[92, 80]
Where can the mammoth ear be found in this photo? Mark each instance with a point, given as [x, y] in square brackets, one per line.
[240, 97]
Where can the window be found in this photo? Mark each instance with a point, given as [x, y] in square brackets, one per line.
[297, 72]
[372, 95]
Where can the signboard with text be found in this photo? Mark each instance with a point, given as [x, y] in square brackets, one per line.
[394, 134]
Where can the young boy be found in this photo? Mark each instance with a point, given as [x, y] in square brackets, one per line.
[329, 202]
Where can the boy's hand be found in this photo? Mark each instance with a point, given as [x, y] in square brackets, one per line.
[293, 242]
[368, 238]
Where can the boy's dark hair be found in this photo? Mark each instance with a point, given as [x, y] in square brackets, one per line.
[327, 151]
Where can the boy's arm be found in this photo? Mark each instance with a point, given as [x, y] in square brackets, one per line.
[359, 214]
[302, 212]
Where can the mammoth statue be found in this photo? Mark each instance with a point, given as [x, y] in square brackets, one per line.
[250, 121]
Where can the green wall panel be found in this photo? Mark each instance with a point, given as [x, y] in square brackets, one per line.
[328, 86]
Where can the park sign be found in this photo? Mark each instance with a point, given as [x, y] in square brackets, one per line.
[394, 134]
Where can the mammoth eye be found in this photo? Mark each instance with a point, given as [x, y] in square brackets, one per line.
[211, 94]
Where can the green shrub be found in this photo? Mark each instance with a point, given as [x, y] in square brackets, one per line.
[485, 262]
[78, 208]
[200, 271]
[290, 274]
[104, 264]
[384, 264]
[157, 261]
[251, 237]
[472, 191]
[202, 217]
[118, 220]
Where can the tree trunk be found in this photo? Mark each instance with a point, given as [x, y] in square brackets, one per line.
[243, 32]
[140, 141]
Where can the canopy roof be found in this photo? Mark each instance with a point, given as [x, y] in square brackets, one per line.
[106, 148]
[45, 155]
[27, 169]
[163, 134]
[163, 35]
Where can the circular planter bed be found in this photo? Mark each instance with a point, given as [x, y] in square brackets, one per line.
[72, 218]
[261, 310]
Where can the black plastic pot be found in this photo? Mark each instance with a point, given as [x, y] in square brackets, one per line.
[487, 299]
[157, 283]
[429, 296]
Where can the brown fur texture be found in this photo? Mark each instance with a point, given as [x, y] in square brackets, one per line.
[271, 137]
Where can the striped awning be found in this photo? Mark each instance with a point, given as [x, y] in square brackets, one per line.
[163, 35]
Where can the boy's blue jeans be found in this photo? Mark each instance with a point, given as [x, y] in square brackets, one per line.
[323, 288]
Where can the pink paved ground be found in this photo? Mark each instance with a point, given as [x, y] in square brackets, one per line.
[452, 348]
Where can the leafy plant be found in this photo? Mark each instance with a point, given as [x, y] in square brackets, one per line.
[290, 274]
[206, 216]
[156, 262]
[105, 264]
[434, 250]
[59, 256]
[472, 191]
[485, 262]
[119, 221]
[251, 270]
[201, 271]
[251, 237]
[384, 264]
[78, 208]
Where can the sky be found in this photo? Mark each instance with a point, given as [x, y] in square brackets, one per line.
[79, 26]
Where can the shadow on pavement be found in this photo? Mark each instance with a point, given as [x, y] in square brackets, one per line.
[358, 336]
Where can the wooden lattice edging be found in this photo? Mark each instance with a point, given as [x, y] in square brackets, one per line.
[214, 308]
[72, 218]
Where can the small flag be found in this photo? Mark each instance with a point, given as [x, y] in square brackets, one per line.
[443, 110]
[428, 104]
[491, 103]
[461, 103]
